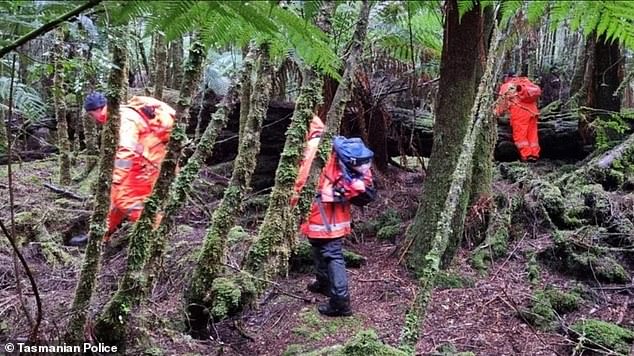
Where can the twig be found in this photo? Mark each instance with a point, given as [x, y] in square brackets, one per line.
[27, 270]
[64, 192]
[511, 304]
[274, 284]
[509, 257]
[373, 280]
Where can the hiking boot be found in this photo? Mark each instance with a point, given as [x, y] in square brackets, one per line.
[318, 287]
[336, 307]
[531, 159]
[78, 240]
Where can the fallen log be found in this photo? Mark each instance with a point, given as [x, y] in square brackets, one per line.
[558, 135]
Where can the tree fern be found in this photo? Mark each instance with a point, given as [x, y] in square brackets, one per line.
[26, 100]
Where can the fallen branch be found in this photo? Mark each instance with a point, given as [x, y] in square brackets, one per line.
[63, 192]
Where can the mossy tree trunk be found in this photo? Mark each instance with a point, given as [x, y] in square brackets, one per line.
[210, 261]
[109, 138]
[245, 97]
[160, 66]
[456, 93]
[270, 251]
[111, 324]
[482, 179]
[182, 185]
[63, 143]
[442, 231]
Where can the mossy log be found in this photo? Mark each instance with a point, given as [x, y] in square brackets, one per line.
[558, 134]
[600, 334]
[582, 261]
[613, 169]
[546, 197]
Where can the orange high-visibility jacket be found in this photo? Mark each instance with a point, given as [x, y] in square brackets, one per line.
[312, 143]
[330, 215]
[519, 103]
[141, 149]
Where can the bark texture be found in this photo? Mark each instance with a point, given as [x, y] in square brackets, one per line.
[160, 66]
[456, 95]
[63, 143]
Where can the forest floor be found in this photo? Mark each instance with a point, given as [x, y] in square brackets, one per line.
[470, 310]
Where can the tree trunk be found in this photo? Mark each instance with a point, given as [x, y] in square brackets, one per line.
[482, 179]
[209, 265]
[175, 59]
[109, 138]
[602, 77]
[160, 66]
[245, 97]
[111, 324]
[456, 93]
[271, 249]
[63, 142]
[443, 229]
[3, 133]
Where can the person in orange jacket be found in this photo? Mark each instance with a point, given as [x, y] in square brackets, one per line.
[329, 221]
[146, 125]
[518, 96]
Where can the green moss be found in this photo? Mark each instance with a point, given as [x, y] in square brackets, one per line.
[583, 263]
[226, 297]
[237, 234]
[389, 232]
[597, 332]
[547, 304]
[450, 280]
[314, 327]
[302, 259]
[533, 269]
[450, 350]
[293, 350]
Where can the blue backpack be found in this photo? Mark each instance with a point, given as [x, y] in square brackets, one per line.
[352, 152]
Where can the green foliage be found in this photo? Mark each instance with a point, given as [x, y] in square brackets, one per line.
[367, 342]
[222, 23]
[26, 100]
[596, 332]
[226, 297]
[390, 30]
[609, 128]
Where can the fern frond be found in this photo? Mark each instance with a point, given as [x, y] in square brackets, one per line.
[26, 100]
[535, 10]
[509, 8]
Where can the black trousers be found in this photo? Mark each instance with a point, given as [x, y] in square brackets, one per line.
[330, 268]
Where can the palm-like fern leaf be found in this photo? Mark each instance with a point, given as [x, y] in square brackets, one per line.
[26, 100]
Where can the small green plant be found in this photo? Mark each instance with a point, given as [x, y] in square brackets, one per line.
[592, 332]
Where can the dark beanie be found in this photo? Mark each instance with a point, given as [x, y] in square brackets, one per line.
[94, 101]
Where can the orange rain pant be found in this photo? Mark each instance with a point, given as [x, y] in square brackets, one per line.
[127, 198]
[524, 126]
